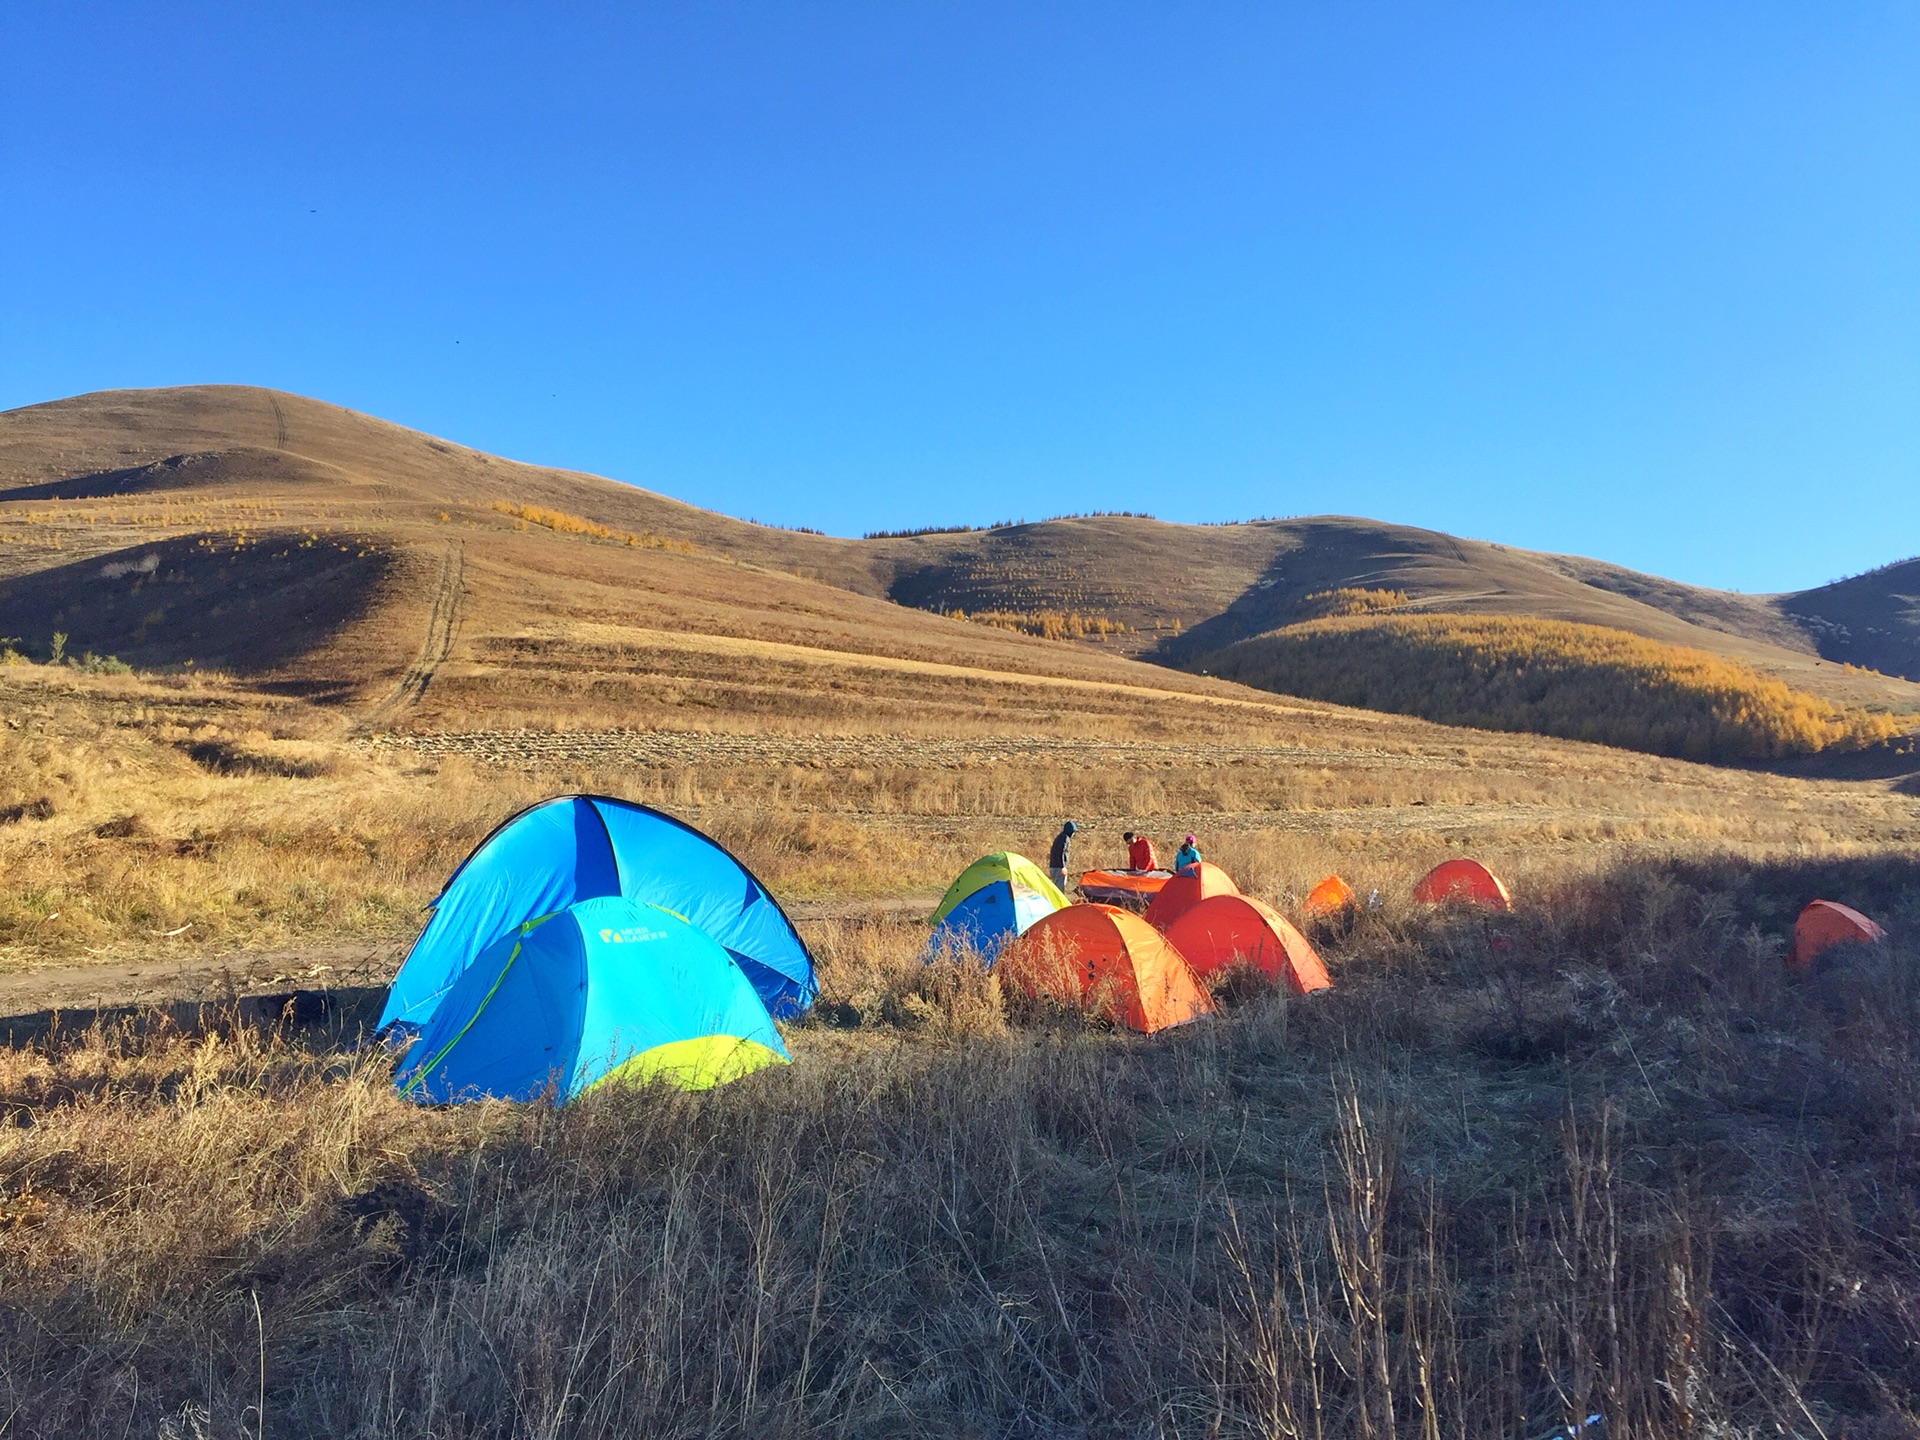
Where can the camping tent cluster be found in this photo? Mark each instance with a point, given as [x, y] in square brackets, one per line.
[1147, 973]
[1144, 945]
[588, 942]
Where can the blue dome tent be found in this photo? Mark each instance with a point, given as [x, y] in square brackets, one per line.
[583, 847]
[994, 899]
[607, 991]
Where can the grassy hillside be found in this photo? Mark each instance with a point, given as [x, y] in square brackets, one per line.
[326, 554]
[83, 477]
[1582, 682]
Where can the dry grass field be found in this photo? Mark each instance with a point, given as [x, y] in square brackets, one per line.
[1598, 1157]
[1602, 1156]
[137, 805]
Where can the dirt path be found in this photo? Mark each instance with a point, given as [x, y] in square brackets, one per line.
[162, 977]
[443, 624]
[166, 977]
[869, 752]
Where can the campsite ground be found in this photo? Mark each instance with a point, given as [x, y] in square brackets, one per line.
[1601, 1156]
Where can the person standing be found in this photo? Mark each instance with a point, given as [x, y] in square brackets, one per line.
[1060, 856]
[1140, 856]
[1188, 854]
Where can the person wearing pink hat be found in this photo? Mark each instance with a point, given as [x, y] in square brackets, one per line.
[1188, 854]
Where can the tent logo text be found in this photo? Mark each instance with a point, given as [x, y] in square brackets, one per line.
[630, 935]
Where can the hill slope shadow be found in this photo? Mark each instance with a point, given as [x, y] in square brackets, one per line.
[253, 608]
[1871, 619]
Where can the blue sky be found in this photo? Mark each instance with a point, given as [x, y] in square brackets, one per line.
[1640, 282]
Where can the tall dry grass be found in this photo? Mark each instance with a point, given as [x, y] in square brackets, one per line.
[1600, 1158]
[131, 807]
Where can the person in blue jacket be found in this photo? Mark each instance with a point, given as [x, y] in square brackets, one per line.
[1060, 856]
[1187, 854]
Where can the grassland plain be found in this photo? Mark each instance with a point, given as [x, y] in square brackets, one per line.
[1598, 1157]
[139, 805]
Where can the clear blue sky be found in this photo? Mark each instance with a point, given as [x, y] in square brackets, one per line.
[1640, 282]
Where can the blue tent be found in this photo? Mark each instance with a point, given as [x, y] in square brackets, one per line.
[606, 992]
[579, 847]
[991, 901]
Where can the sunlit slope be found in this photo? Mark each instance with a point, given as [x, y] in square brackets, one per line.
[93, 478]
[227, 444]
[1183, 591]
[384, 569]
[1581, 682]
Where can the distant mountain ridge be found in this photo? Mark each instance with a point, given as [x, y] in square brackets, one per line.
[1164, 592]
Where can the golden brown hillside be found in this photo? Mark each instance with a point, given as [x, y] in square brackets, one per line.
[333, 554]
[1583, 682]
[323, 553]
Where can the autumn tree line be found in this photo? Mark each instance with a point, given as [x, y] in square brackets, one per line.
[1550, 677]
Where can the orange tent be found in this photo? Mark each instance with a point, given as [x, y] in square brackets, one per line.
[1466, 882]
[1187, 889]
[1827, 922]
[1122, 887]
[1219, 931]
[1330, 897]
[1109, 960]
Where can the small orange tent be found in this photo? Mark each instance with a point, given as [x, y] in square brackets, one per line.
[1465, 882]
[1827, 922]
[1186, 890]
[1109, 960]
[1331, 897]
[1226, 928]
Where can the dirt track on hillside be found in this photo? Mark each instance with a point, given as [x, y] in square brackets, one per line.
[869, 752]
[443, 625]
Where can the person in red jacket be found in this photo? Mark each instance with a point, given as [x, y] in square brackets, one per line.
[1140, 856]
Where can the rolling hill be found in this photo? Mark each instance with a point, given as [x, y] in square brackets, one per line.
[317, 552]
[332, 554]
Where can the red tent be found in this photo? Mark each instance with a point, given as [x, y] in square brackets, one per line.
[1187, 889]
[1825, 923]
[1228, 928]
[1463, 882]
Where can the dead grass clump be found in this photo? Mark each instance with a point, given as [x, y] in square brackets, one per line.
[880, 972]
